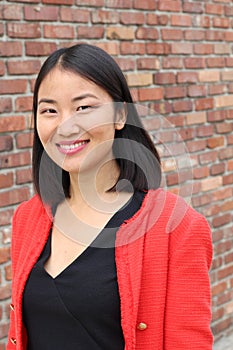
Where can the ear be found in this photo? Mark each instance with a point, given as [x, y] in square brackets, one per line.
[121, 116]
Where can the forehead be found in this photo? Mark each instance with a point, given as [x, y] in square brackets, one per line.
[59, 82]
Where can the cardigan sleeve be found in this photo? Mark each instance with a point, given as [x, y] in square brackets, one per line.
[188, 301]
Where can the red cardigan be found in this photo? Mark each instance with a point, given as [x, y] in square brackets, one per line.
[163, 255]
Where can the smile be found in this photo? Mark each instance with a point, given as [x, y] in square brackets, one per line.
[71, 148]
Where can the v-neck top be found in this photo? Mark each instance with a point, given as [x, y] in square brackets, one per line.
[79, 308]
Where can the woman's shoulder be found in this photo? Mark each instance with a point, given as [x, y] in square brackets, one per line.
[33, 209]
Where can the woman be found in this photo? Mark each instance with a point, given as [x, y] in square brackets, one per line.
[103, 258]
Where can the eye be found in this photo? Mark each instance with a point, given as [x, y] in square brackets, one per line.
[48, 111]
[82, 108]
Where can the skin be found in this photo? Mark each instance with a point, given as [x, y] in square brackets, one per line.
[74, 110]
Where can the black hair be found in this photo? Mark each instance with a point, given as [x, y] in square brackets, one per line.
[138, 161]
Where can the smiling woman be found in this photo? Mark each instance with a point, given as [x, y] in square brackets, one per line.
[102, 257]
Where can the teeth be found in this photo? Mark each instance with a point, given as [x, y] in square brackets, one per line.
[74, 145]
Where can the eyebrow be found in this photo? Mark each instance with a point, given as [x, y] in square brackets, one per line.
[75, 99]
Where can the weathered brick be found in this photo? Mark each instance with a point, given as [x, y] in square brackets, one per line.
[196, 90]
[59, 31]
[193, 7]
[181, 48]
[214, 9]
[94, 3]
[209, 76]
[23, 30]
[148, 63]
[120, 33]
[187, 77]
[39, 48]
[127, 64]
[41, 13]
[145, 5]
[142, 79]
[23, 67]
[103, 16]
[194, 35]
[223, 101]
[217, 169]
[11, 49]
[12, 123]
[59, 2]
[175, 92]
[13, 86]
[119, 4]
[203, 49]
[158, 48]
[5, 104]
[204, 103]
[182, 106]
[167, 6]
[147, 34]
[11, 12]
[215, 142]
[194, 63]
[15, 160]
[6, 180]
[196, 118]
[150, 94]
[132, 48]
[95, 32]
[172, 34]
[132, 18]
[74, 15]
[14, 196]
[24, 140]
[221, 22]
[217, 89]
[164, 78]
[6, 143]
[181, 20]
[172, 62]
[222, 49]
[23, 176]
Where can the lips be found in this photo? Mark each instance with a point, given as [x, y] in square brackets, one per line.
[71, 147]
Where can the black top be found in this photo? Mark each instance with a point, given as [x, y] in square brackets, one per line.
[80, 308]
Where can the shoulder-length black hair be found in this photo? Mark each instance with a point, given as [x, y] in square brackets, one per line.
[133, 148]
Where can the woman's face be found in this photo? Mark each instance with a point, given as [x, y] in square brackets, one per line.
[76, 121]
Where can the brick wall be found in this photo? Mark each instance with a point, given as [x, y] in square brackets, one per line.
[177, 57]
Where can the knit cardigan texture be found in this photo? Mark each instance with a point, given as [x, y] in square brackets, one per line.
[163, 256]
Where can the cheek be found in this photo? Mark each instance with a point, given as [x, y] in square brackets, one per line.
[45, 131]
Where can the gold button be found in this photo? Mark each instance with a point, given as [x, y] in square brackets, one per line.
[13, 340]
[142, 326]
[12, 307]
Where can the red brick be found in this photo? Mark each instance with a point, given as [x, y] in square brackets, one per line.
[129, 48]
[181, 20]
[23, 104]
[40, 13]
[196, 90]
[74, 15]
[5, 254]
[214, 35]
[119, 4]
[23, 67]
[203, 49]
[221, 22]
[23, 30]
[132, 18]
[111, 47]
[148, 63]
[162, 107]
[14, 196]
[102, 16]
[33, 1]
[167, 6]
[151, 123]
[228, 179]
[226, 153]
[13, 86]
[222, 49]
[228, 10]
[147, 34]
[127, 64]
[187, 134]
[214, 62]
[208, 157]
[8, 273]
[214, 9]
[196, 146]
[217, 89]
[223, 128]
[59, 31]
[204, 103]
[24, 140]
[220, 221]
[5, 104]
[230, 165]
[201, 21]
[182, 106]
[15, 159]
[145, 5]
[205, 131]
[6, 143]
[187, 77]
[11, 49]
[39, 48]
[6, 180]
[150, 94]
[6, 216]
[181, 48]
[94, 3]
[215, 142]
[217, 169]
[58, 2]
[215, 116]
[194, 35]
[2, 68]
[119, 33]
[194, 63]
[11, 12]
[199, 173]
[175, 92]
[23, 176]
[172, 34]
[228, 36]
[193, 7]
[158, 49]
[172, 62]
[230, 139]
[153, 19]
[227, 75]
[94, 32]
[164, 78]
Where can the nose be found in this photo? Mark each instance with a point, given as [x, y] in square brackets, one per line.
[68, 126]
